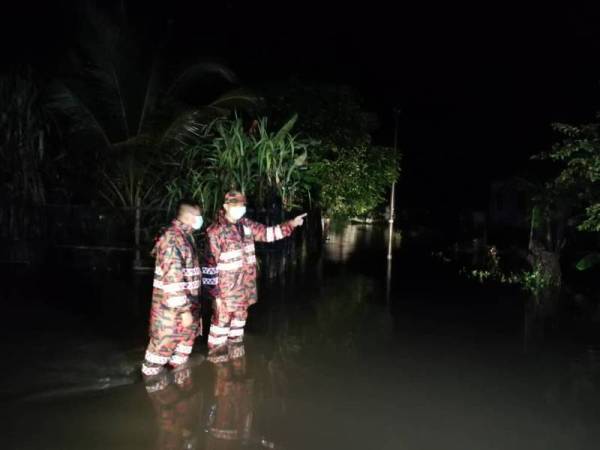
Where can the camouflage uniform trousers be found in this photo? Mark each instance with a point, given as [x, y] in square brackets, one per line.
[226, 336]
[170, 341]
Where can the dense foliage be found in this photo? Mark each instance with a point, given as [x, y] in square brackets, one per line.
[260, 162]
[355, 182]
[578, 154]
[350, 176]
[126, 126]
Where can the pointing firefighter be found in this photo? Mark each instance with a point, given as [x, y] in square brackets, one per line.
[229, 272]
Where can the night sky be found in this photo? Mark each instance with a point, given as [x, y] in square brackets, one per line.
[478, 87]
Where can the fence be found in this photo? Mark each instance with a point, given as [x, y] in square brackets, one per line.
[98, 238]
[28, 233]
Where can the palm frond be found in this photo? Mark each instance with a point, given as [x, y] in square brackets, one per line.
[238, 99]
[286, 128]
[186, 128]
[140, 143]
[62, 100]
[200, 72]
[150, 94]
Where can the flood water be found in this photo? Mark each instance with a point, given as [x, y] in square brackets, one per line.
[337, 356]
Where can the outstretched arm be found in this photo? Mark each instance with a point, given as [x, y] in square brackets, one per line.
[263, 233]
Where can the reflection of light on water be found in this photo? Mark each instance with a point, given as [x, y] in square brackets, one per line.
[397, 237]
[342, 244]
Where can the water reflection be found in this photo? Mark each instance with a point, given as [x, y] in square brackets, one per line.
[216, 405]
[343, 244]
[231, 416]
[323, 367]
[178, 404]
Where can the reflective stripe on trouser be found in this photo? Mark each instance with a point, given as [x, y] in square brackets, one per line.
[236, 332]
[170, 342]
[226, 326]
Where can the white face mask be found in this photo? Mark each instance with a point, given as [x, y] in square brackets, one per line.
[237, 212]
[198, 223]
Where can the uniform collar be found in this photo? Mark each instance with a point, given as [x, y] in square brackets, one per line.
[182, 226]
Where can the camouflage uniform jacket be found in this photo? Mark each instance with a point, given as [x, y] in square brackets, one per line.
[229, 269]
[177, 275]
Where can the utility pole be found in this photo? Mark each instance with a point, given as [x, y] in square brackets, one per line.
[393, 195]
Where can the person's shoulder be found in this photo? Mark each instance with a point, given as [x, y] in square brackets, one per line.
[165, 242]
[245, 221]
[173, 236]
[214, 229]
[164, 236]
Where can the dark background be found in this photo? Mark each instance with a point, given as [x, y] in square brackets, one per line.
[478, 86]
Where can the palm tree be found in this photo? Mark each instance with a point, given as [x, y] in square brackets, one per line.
[111, 92]
[24, 127]
[130, 112]
[28, 154]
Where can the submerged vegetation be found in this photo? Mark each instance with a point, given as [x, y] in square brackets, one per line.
[534, 280]
[563, 221]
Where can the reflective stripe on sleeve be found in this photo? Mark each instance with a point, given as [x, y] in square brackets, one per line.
[191, 272]
[176, 287]
[270, 234]
[230, 255]
[278, 233]
[230, 266]
[174, 302]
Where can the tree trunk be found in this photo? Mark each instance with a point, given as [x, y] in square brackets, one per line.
[548, 265]
[137, 263]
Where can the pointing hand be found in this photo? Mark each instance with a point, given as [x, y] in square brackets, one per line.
[299, 220]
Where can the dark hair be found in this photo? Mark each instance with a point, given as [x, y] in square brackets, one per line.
[186, 202]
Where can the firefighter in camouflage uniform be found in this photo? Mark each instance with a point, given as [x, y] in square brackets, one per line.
[229, 272]
[175, 311]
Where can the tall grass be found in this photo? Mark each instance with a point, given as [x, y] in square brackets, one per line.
[257, 161]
